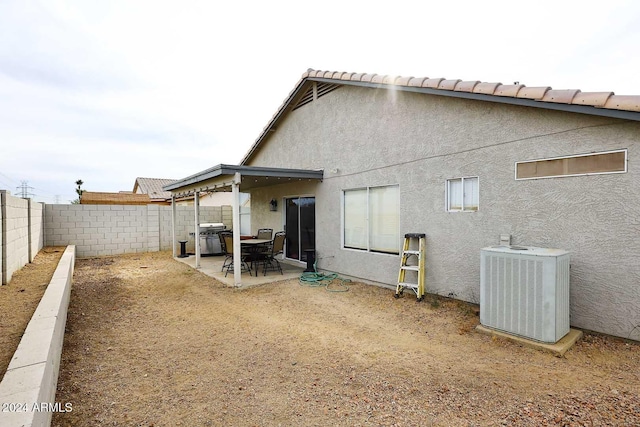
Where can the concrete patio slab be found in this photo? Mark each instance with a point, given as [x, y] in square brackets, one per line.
[212, 266]
[558, 349]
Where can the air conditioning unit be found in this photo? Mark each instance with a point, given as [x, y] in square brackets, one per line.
[524, 291]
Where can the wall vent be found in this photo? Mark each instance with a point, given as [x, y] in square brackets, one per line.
[525, 291]
[322, 89]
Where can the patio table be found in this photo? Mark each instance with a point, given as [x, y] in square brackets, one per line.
[253, 247]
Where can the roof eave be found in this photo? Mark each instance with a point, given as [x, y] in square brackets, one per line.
[230, 170]
[572, 108]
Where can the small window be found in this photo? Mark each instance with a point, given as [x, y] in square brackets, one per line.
[462, 194]
[583, 164]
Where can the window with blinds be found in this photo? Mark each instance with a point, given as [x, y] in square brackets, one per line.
[462, 194]
[371, 218]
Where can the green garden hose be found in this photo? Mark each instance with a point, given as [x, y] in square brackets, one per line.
[316, 280]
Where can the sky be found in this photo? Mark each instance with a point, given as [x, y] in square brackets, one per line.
[107, 91]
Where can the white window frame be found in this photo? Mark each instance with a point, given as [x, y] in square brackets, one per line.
[367, 220]
[462, 184]
[623, 150]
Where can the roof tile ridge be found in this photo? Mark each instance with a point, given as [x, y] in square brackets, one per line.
[508, 90]
[448, 84]
[466, 86]
[433, 83]
[486, 88]
[560, 96]
[536, 93]
[367, 78]
[593, 99]
[623, 102]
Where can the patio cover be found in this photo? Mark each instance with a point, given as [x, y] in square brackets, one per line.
[234, 178]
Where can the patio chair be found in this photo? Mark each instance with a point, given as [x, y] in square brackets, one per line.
[270, 262]
[260, 252]
[223, 247]
[228, 251]
[265, 233]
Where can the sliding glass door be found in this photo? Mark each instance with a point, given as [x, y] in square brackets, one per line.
[300, 226]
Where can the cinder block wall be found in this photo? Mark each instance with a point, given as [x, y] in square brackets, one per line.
[2, 234]
[94, 229]
[97, 230]
[15, 234]
[36, 229]
[185, 220]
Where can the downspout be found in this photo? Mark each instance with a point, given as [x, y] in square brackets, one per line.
[237, 256]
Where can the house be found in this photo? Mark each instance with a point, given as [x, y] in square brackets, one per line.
[355, 161]
[153, 188]
[123, 198]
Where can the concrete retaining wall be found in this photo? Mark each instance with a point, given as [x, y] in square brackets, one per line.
[22, 234]
[117, 229]
[27, 391]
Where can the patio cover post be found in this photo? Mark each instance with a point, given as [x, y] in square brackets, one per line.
[237, 256]
[173, 225]
[196, 204]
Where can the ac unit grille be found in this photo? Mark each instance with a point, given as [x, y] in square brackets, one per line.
[525, 294]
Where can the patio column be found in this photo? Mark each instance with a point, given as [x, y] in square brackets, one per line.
[173, 225]
[196, 204]
[237, 256]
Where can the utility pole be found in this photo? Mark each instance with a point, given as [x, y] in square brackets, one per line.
[57, 199]
[24, 190]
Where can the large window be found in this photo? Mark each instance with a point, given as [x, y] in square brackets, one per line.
[372, 219]
[582, 164]
[462, 194]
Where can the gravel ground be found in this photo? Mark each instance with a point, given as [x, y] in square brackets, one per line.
[152, 342]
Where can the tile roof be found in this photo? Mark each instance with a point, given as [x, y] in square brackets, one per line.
[607, 100]
[597, 103]
[99, 198]
[153, 187]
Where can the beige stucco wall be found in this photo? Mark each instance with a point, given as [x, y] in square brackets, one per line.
[216, 199]
[262, 217]
[368, 137]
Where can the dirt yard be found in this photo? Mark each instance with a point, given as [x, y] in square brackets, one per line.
[151, 342]
[19, 299]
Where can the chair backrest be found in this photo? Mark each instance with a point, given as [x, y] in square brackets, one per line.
[278, 243]
[226, 239]
[265, 233]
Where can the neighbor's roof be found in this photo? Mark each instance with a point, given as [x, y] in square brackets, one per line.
[98, 198]
[153, 187]
[595, 103]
